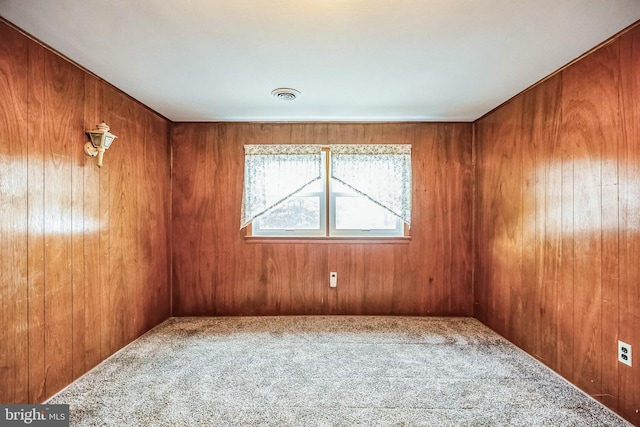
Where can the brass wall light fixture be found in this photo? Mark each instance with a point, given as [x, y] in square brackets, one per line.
[101, 140]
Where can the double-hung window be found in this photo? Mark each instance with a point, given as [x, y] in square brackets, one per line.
[315, 191]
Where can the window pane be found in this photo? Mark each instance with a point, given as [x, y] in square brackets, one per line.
[360, 213]
[298, 213]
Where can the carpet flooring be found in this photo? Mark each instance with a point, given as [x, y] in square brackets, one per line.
[326, 371]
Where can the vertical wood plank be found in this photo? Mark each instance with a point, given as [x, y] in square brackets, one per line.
[565, 301]
[95, 263]
[483, 283]
[133, 199]
[423, 267]
[109, 315]
[542, 105]
[154, 222]
[36, 209]
[117, 112]
[500, 216]
[131, 159]
[14, 344]
[524, 310]
[77, 139]
[436, 292]
[63, 105]
[460, 183]
[192, 198]
[444, 159]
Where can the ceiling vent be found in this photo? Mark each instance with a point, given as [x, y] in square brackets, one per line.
[285, 94]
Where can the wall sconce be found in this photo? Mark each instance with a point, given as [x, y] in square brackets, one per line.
[101, 140]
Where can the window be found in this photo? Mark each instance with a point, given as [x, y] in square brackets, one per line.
[340, 190]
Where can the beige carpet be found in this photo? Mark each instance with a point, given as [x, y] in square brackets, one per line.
[326, 371]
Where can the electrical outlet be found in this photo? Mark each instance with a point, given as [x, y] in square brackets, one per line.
[333, 279]
[624, 353]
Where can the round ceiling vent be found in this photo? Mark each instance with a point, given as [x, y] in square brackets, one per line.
[285, 94]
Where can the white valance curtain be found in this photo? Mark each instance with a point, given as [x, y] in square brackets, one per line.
[274, 173]
[381, 172]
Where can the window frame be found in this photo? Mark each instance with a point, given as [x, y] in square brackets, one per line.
[327, 216]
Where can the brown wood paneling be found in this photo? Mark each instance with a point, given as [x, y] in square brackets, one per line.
[524, 292]
[216, 271]
[436, 179]
[226, 297]
[629, 204]
[565, 303]
[129, 158]
[14, 350]
[548, 119]
[153, 177]
[499, 217]
[542, 224]
[84, 250]
[575, 291]
[78, 260]
[193, 194]
[414, 275]
[460, 193]
[114, 111]
[94, 280]
[62, 107]
[581, 133]
[36, 210]
[590, 106]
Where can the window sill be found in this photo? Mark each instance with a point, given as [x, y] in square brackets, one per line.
[332, 240]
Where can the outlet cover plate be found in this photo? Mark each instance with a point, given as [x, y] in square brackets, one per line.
[624, 353]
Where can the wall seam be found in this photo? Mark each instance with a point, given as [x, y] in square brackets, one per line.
[474, 185]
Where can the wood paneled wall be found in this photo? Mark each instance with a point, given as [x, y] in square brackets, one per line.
[217, 272]
[84, 258]
[557, 267]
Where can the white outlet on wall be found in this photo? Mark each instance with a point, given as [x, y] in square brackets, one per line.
[624, 353]
[333, 279]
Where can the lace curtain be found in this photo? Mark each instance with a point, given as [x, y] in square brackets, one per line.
[274, 173]
[381, 172]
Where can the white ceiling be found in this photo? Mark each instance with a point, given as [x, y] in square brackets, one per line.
[352, 60]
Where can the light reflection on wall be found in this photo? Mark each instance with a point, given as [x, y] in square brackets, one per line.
[603, 197]
[51, 212]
